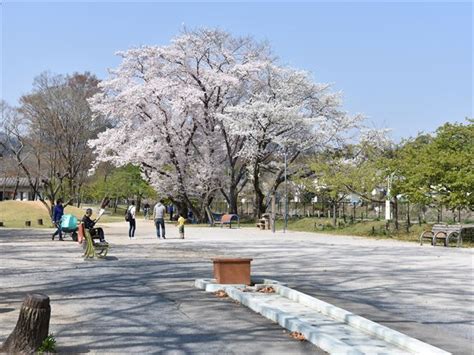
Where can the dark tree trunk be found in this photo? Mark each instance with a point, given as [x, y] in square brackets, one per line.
[259, 196]
[195, 210]
[233, 196]
[181, 207]
[408, 217]
[32, 326]
[259, 205]
[17, 184]
[139, 202]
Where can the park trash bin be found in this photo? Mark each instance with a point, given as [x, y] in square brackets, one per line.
[232, 270]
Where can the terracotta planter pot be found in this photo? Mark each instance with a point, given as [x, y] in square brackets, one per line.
[232, 270]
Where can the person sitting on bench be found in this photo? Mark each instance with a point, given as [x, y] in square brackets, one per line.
[96, 233]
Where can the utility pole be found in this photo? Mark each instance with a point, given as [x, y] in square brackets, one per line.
[388, 197]
[273, 213]
[286, 191]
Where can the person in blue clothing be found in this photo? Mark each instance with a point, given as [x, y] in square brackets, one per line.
[57, 215]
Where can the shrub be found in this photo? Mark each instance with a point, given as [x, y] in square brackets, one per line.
[48, 345]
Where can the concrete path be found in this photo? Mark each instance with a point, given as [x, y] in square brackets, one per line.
[142, 298]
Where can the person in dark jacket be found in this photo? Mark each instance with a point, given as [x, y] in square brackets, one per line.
[58, 212]
[96, 233]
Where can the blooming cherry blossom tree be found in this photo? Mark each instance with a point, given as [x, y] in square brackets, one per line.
[165, 101]
[209, 111]
[286, 113]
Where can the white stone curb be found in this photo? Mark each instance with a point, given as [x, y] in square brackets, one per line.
[290, 322]
[313, 334]
[389, 335]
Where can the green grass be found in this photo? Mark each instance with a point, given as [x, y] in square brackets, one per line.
[13, 214]
[48, 345]
[371, 229]
[367, 229]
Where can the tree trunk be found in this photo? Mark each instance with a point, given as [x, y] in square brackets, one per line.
[196, 212]
[233, 198]
[408, 217]
[15, 191]
[259, 205]
[139, 203]
[32, 326]
[334, 216]
[259, 196]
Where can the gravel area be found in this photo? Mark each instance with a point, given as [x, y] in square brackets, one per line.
[142, 299]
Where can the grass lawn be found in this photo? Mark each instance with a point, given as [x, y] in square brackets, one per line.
[13, 214]
[370, 229]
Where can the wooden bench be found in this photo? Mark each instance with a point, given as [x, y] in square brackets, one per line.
[444, 232]
[92, 249]
[228, 219]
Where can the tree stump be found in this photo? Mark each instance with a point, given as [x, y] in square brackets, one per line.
[32, 326]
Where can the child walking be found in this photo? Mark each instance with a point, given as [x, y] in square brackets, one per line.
[180, 225]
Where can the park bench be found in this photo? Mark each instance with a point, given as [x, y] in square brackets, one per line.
[215, 218]
[92, 249]
[221, 218]
[445, 232]
[228, 219]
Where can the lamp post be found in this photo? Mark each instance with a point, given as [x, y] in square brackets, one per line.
[388, 212]
[286, 192]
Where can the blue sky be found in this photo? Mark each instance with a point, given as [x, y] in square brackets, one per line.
[407, 66]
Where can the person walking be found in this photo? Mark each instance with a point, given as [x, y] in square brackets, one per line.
[146, 211]
[170, 211]
[180, 224]
[58, 212]
[159, 218]
[131, 210]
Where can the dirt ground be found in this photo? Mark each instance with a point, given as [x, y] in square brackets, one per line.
[142, 299]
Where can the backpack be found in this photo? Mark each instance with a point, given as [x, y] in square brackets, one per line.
[128, 215]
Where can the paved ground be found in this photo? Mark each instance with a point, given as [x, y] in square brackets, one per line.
[142, 299]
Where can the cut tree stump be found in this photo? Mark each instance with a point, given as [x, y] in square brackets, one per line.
[32, 326]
